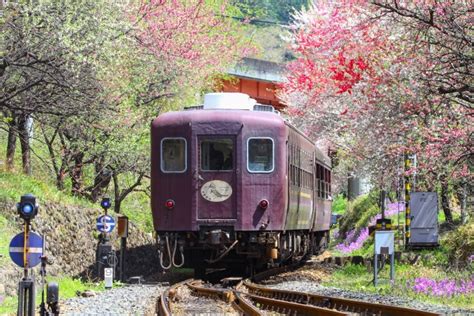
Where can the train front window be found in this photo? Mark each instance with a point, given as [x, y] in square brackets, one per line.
[260, 155]
[173, 155]
[217, 154]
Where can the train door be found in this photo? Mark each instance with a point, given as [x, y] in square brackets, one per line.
[216, 194]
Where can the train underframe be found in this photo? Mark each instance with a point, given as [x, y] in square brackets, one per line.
[214, 248]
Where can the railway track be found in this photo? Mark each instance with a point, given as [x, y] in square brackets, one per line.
[248, 298]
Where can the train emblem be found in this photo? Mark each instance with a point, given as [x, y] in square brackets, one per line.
[216, 191]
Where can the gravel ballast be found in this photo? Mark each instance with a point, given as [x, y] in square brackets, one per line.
[126, 300]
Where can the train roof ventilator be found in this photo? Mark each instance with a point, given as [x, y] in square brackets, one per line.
[228, 101]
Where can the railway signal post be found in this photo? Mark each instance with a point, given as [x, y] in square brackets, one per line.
[105, 255]
[407, 200]
[26, 250]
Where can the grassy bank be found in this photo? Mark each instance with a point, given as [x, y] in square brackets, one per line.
[359, 278]
[444, 275]
[12, 186]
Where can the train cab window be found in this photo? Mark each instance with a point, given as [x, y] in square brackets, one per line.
[260, 155]
[217, 154]
[173, 155]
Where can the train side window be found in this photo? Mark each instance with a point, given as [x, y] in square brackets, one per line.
[217, 154]
[173, 155]
[260, 155]
[328, 184]
[323, 182]
[318, 179]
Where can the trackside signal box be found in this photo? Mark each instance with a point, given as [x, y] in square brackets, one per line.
[424, 219]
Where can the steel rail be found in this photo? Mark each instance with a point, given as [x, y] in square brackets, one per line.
[243, 302]
[337, 303]
[283, 301]
[223, 294]
[291, 308]
[238, 302]
[163, 303]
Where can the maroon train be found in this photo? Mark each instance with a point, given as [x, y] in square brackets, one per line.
[234, 185]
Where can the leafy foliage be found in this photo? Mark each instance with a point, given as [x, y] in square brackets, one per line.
[93, 74]
[339, 204]
[269, 10]
[381, 78]
[359, 213]
[460, 246]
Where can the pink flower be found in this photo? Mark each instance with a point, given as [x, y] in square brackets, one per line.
[446, 287]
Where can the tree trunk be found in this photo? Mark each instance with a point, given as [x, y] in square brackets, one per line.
[120, 195]
[461, 193]
[353, 187]
[103, 176]
[24, 133]
[60, 171]
[76, 174]
[117, 199]
[11, 143]
[445, 200]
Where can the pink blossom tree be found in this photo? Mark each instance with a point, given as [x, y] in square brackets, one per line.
[381, 78]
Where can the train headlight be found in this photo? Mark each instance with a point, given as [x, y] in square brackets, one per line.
[263, 204]
[169, 204]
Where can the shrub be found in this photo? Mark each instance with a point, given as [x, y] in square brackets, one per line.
[339, 204]
[460, 246]
[359, 212]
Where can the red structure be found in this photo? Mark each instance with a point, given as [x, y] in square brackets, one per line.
[257, 78]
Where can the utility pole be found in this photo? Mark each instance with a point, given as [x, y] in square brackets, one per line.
[407, 200]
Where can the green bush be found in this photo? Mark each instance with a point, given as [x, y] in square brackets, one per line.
[359, 212]
[339, 204]
[460, 245]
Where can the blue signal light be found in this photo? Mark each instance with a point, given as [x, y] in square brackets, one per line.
[105, 203]
[27, 208]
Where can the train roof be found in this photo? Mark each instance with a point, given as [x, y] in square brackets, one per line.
[263, 118]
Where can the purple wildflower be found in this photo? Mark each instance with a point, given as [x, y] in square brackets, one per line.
[392, 209]
[446, 287]
[354, 240]
[470, 258]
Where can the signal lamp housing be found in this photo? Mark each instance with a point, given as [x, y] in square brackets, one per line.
[27, 208]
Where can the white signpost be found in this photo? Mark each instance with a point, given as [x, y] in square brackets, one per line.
[108, 277]
[384, 246]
